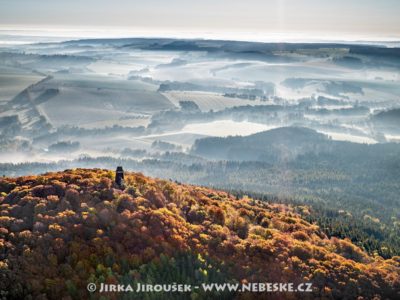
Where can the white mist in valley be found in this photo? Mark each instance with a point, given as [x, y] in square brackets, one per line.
[141, 98]
[225, 128]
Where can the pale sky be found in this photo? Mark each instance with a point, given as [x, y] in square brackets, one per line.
[361, 19]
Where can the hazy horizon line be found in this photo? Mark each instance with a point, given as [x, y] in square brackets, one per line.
[59, 34]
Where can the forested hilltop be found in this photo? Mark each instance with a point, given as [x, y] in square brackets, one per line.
[60, 231]
[352, 188]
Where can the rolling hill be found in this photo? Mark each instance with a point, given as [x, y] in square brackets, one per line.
[60, 231]
[269, 146]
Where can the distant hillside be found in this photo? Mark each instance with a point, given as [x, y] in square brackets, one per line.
[388, 115]
[389, 119]
[269, 146]
[60, 231]
[232, 46]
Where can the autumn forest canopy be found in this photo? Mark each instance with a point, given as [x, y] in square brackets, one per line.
[61, 230]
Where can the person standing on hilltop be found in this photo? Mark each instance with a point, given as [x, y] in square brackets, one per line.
[119, 176]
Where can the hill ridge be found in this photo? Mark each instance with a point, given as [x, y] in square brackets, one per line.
[61, 230]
